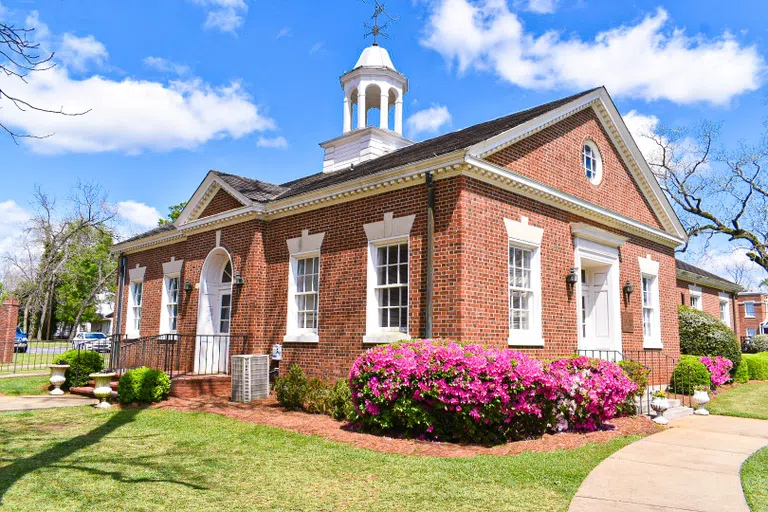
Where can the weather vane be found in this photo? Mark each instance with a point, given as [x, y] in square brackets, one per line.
[375, 29]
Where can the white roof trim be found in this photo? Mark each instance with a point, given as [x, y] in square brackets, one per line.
[612, 121]
[204, 194]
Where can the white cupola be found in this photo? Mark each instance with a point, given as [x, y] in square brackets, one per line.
[373, 83]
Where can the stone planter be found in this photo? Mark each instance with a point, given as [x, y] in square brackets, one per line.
[57, 377]
[702, 399]
[659, 405]
[101, 388]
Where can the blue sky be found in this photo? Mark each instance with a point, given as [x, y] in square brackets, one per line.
[178, 87]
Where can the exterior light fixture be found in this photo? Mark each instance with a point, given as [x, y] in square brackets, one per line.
[571, 279]
[239, 281]
[187, 286]
[627, 289]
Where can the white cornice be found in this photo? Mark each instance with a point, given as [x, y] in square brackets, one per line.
[690, 277]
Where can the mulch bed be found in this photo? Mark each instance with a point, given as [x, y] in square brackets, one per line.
[268, 412]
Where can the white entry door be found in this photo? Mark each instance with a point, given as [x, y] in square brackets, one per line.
[595, 309]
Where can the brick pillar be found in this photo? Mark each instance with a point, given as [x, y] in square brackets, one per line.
[9, 318]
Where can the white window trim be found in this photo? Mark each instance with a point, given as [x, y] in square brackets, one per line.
[597, 158]
[524, 236]
[695, 291]
[305, 246]
[726, 299]
[392, 230]
[171, 269]
[745, 309]
[650, 269]
[135, 275]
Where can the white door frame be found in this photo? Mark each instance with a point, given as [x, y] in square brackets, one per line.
[208, 338]
[608, 256]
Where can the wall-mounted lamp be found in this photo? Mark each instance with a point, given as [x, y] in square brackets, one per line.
[238, 281]
[627, 289]
[571, 279]
[187, 286]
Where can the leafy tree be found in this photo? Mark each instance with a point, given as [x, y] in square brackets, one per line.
[173, 214]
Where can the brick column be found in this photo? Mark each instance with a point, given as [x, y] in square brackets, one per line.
[9, 318]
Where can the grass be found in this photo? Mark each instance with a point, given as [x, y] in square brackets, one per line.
[745, 401]
[147, 459]
[753, 475]
[24, 385]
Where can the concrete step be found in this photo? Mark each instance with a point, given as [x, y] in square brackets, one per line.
[678, 412]
[88, 391]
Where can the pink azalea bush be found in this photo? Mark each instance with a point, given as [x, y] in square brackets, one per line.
[719, 369]
[446, 391]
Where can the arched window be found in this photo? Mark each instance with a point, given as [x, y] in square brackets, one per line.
[592, 163]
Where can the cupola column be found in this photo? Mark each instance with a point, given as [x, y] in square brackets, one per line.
[384, 111]
[347, 114]
[399, 115]
[361, 108]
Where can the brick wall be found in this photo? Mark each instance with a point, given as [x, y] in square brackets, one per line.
[222, 202]
[710, 301]
[9, 319]
[744, 322]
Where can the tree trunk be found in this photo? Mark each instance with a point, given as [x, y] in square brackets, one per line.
[43, 315]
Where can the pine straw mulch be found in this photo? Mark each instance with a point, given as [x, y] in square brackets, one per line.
[268, 412]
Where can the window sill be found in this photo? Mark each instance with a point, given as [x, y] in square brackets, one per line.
[517, 340]
[386, 337]
[652, 344]
[307, 337]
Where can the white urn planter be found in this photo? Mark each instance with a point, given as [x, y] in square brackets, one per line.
[659, 405]
[701, 398]
[102, 389]
[57, 377]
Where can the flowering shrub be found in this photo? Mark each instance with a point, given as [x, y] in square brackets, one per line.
[446, 391]
[719, 369]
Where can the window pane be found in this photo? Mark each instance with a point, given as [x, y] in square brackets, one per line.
[381, 256]
[403, 296]
[394, 317]
[392, 256]
[394, 296]
[404, 274]
[392, 274]
[403, 253]
[383, 317]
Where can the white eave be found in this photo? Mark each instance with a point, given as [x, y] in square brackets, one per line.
[694, 278]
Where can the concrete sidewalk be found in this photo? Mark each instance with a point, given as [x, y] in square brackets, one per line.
[693, 466]
[28, 403]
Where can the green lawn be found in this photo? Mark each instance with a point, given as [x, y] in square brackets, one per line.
[745, 400]
[24, 385]
[144, 459]
[753, 479]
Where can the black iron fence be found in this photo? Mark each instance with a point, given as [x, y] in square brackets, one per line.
[178, 354]
[663, 374]
[35, 356]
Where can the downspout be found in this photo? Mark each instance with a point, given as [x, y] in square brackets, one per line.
[118, 323]
[430, 252]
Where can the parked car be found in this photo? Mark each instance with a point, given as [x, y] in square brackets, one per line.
[20, 344]
[96, 341]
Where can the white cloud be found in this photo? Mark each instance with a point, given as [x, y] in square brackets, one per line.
[641, 126]
[78, 52]
[316, 48]
[720, 262]
[138, 213]
[12, 222]
[284, 32]
[429, 120]
[541, 6]
[3, 11]
[165, 65]
[224, 15]
[278, 142]
[648, 60]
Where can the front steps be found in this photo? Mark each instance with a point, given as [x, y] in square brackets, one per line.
[88, 390]
[676, 409]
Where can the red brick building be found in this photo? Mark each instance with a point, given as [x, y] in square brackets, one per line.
[543, 230]
[752, 314]
[710, 293]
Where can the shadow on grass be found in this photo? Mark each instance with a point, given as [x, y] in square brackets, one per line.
[54, 456]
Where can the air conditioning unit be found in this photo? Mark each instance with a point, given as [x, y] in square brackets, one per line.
[250, 377]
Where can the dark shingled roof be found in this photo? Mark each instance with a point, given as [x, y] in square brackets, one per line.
[262, 192]
[687, 267]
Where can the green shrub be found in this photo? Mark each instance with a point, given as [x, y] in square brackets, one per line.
[758, 343]
[742, 374]
[702, 334]
[689, 373]
[143, 385]
[639, 375]
[291, 389]
[81, 364]
[316, 400]
[340, 406]
[758, 365]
